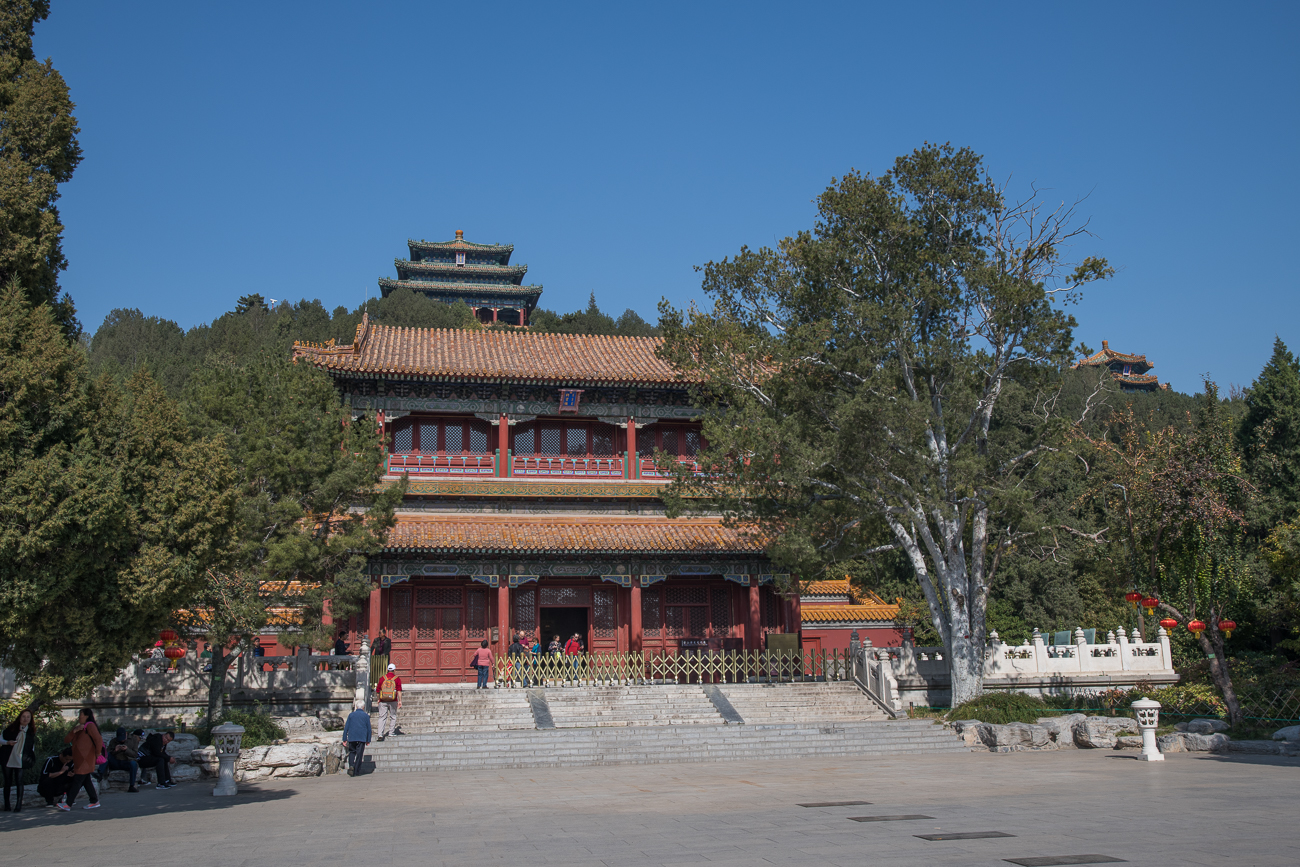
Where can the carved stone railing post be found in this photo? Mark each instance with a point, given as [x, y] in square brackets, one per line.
[361, 673]
[1125, 655]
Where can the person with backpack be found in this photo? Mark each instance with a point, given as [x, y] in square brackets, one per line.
[87, 748]
[483, 662]
[390, 701]
[17, 754]
[356, 734]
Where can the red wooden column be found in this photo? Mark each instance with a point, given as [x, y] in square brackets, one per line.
[753, 627]
[374, 626]
[503, 446]
[494, 314]
[522, 323]
[634, 466]
[796, 617]
[634, 618]
[503, 615]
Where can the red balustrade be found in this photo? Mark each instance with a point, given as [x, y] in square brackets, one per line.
[569, 468]
[442, 465]
[650, 469]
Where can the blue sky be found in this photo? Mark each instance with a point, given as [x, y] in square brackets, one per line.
[291, 149]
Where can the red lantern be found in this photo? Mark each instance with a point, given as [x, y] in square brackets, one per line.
[1196, 627]
[1226, 627]
[1150, 604]
[1133, 598]
[168, 635]
[174, 653]
[1169, 623]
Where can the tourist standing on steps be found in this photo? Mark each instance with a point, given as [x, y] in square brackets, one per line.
[87, 744]
[518, 654]
[356, 734]
[483, 662]
[383, 644]
[17, 754]
[390, 701]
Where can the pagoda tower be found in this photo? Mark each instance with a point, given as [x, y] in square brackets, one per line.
[1130, 371]
[478, 274]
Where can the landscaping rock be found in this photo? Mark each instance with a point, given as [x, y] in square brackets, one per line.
[1174, 743]
[1061, 728]
[1264, 748]
[181, 747]
[1180, 727]
[1128, 742]
[1206, 743]
[1206, 726]
[1290, 733]
[969, 729]
[184, 773]
[1101, 732]
[1014, 737]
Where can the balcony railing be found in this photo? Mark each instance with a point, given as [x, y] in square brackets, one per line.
[573, 468]
[442, 465]
[651, 470]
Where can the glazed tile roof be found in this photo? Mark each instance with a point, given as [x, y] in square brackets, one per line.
[459, 244]
[552, 535]
[464, 288]
[838, 587]
[1108, 355]
[513, 273]
[848, 613]
[513, 356]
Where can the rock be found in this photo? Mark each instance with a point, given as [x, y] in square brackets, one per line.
[184, 773]
[1206, 726]
[1206, 743]
[1061, 728]
[1174, 743]
[1290, 733]
[1015, 736]
[181, 747]
[1100, 732]
[1128, 742]
[1180, 727]
[335, 756]
[1262, 748]
[205, 759]
[969, 729]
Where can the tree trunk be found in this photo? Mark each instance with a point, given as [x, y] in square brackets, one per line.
[1219, 671]
[966, 669]
[217, 683]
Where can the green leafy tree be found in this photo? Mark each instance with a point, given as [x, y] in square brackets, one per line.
[405, 308]
[1180, 497]
[310, 506]
[853, 378]
[38, 151]
[110, 509]
[1270, 439]
[592, 321]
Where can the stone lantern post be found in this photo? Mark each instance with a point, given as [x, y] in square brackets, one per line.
[1148, 715]
[226, 738]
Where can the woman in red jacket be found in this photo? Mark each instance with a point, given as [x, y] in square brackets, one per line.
[483, 662]
[87, 745]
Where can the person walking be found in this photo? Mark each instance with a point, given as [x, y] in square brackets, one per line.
[390, 701]
[483, 662]
[17, 754]
[356, 734]
[87, 744]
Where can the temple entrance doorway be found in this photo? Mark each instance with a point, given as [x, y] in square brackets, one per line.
[564, 622]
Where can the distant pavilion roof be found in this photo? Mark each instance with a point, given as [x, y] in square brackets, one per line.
[492, 355]
[1130, 371]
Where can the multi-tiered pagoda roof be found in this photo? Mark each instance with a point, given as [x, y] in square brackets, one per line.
[478, 274]
[1130, 371]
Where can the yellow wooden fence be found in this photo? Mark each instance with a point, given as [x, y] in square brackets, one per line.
[623, 669]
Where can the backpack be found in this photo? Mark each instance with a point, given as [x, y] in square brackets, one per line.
[388, 688]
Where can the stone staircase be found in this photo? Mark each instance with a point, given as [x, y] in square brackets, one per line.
[670, 704]
[806, 703]
[655, 744]
[462, 709]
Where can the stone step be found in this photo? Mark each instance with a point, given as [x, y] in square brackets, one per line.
[656, 745]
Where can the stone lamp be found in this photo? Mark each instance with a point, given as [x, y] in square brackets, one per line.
[226, 738]
[1148, 715]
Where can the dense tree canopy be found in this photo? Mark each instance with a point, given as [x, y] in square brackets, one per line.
[38, 151]
[856, 381]
[110, 509]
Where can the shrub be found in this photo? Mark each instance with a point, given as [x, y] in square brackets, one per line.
[1002, 707]
[260, 728]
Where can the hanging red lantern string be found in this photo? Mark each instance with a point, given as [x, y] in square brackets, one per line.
[1169, 623]
[174, 652]
[1196, 627]
[1150, 604]
[168, 635]
[1133, 598]
[1226, 627]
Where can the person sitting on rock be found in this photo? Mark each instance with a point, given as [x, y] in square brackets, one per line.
[155, 756]
[121, 757]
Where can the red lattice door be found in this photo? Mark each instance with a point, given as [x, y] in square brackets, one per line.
[604, 619]
[440, 633]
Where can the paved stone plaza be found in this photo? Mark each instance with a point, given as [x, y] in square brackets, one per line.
[1189, 810]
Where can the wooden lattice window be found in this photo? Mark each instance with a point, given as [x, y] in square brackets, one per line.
[650, 613]
[721, 611]
[440, 436]
[526, 611]
[768, 608]
[575, 596]
[477, 614]
[602, 614]
[575, 439]
[400, 613]
[684, 442]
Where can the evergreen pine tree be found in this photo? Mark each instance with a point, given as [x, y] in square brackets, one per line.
[1270, 438]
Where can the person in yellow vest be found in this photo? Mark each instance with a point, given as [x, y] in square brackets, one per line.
[390, 701]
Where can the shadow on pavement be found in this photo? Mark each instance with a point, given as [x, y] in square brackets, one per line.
[185, 798]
